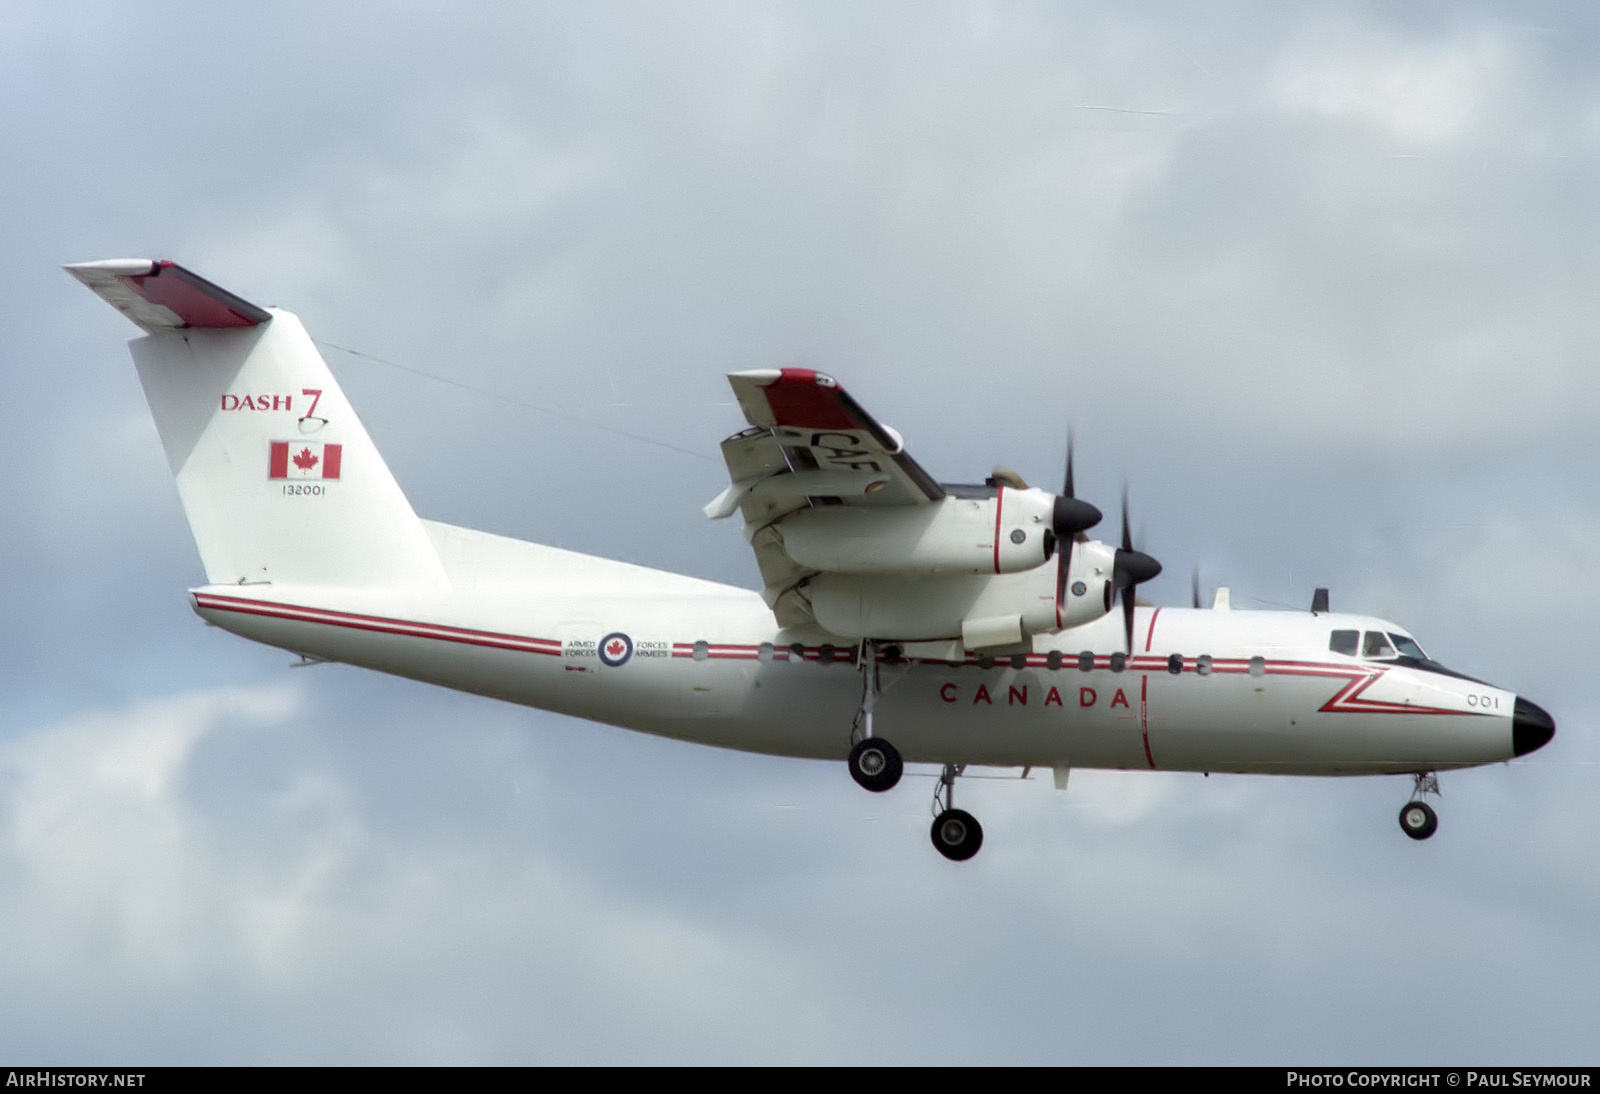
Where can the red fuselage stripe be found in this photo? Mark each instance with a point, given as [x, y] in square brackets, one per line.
[1347, 700]
[380, 624]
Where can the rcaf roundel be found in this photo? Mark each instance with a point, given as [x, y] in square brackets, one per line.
[300, 460]
[615, 649]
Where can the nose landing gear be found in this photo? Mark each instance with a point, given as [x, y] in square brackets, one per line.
[1417, 818]
[956, 834]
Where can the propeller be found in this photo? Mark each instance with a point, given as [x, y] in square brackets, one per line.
[1195, 587]
[1132, 567]
[1069, 518]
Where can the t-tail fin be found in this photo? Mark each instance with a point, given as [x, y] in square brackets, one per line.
[278, 478]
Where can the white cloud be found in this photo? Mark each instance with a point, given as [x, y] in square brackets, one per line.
[1418, 93]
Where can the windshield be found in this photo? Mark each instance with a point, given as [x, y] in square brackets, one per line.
[1390, 646]
[1376, 645]
[1407, 646]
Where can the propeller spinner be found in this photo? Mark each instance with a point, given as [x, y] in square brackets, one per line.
[1132, 567]
[1069, 518]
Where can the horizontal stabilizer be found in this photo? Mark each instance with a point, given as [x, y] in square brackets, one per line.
[161, 296]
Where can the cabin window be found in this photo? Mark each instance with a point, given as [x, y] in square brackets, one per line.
[1019, 660]
[1345, 642]
[1086, 661]
[764, 652]
[1376, 644]
[1258, 665]
[1202, 664]
[986, 661]
[1175, 664]
[797, 652]
[1119, 661]
[702, 650]
[825, 653]
[1053, 660]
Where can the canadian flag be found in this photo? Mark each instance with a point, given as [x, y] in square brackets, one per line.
[299, 460]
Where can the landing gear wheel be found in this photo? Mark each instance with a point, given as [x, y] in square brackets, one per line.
[957, 834]
[1418, 820]
[875, 764]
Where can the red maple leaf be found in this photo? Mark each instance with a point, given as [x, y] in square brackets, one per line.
[616, 647]
[304, 460]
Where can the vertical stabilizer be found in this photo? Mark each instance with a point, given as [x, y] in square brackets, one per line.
[278, 477]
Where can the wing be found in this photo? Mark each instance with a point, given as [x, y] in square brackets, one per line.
[852, 536]
[809, 443]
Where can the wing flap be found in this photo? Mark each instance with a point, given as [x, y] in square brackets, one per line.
[752, 457]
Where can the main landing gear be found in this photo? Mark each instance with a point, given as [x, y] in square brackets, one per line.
[1417, 818]
[874, 763]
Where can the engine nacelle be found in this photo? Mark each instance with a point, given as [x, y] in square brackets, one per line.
[1007, 534]
[981, 610]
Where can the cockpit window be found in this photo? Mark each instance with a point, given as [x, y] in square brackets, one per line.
[1345, 642]
[1407, 646]
[1376, 644]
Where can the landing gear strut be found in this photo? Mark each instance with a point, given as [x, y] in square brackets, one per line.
[1417, 818]
[956, 834]
[875, 764]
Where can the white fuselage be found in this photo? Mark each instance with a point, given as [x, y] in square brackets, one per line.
[704, 662]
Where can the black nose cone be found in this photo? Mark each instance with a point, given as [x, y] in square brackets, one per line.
[1531, 728]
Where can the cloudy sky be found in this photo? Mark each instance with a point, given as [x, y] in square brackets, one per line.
[1318, 281]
